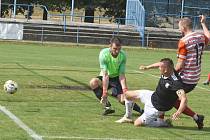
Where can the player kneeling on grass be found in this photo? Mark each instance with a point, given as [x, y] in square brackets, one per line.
[112, 76]
[168, 90]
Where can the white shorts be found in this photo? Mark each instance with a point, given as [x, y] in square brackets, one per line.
[150, 113]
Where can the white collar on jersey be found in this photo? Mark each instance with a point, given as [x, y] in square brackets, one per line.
[172, 76]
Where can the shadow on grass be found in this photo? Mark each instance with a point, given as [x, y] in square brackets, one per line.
[192, 134]
[60, 87]
[51, 69]
[83, 86]
[205, 129]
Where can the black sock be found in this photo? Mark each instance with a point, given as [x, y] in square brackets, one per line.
[98, 93]
[137, 108]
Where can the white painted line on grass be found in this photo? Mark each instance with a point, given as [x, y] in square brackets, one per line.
[85, 138]
[20, 123]
[159, 77]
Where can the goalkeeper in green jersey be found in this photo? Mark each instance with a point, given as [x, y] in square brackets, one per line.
[112, 76]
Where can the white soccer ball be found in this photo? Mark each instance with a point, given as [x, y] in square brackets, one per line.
[10, 87]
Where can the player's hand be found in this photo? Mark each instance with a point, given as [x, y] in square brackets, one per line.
[104, 100]
[125, 90]
[142, 67]
[202, 18]
[176, 115]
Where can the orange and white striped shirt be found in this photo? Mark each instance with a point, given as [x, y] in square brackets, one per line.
[190, 49]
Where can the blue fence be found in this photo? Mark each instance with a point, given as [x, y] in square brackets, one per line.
[135, 11]
[140, 13]
[165, 13]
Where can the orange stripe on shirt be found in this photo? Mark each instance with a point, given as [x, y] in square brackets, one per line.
[182, 51]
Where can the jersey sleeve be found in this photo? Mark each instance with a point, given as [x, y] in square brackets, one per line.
[122, 65]
[102, 62]
[182, 51]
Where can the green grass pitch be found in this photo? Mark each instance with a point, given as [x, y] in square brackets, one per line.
[54, 100]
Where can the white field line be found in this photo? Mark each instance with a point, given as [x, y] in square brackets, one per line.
[84, 138]
[20, 123]
[159, 77]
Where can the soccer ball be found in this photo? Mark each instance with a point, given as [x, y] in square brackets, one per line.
[10, 87]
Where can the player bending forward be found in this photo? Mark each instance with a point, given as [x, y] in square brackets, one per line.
[168, 90]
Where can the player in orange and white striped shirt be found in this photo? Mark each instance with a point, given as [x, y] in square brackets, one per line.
[190, 50]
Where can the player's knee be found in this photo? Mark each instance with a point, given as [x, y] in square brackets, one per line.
[94, 83]
[128, 97]
[138, 122]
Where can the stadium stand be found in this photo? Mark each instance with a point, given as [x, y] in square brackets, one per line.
[161, 21]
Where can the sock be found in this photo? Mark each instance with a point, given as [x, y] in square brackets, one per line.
[128, 108]
[137, 108]
[98, 93]
[195, 117]
[208, 77]
[187, 110]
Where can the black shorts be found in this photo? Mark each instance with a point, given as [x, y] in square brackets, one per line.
[114, 85]
[189, 87]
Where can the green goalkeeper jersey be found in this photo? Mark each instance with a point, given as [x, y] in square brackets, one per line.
[113, 66]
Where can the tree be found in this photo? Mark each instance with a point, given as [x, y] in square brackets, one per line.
[115, 9]
[55, 5]
[89, 6]
[8, 5]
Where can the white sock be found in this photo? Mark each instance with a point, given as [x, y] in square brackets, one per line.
[195, 117]
[107, 107]
[128, 108]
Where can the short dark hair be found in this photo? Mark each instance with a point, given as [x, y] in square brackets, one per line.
[168, 62]
[115, 40]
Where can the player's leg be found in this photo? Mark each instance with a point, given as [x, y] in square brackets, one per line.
[196, 117]
[95, 84]
[207, 81]
[131, 96]
[151, 118]
[117, 91]
[189, 112]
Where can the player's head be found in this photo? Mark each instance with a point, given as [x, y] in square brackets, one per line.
[167, 66]
[115, 46]
[185, 25]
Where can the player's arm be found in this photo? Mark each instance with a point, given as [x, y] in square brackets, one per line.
[123, 83]
[105, 83]
[205, 29]
[152, 66]
[183, 98]
[179, 64]
[122, 77]
[181, 55]
[104, 73]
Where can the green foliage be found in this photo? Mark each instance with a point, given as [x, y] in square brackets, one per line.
[114, 8]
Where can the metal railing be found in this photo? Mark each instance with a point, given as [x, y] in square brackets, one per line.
[135, 11]
[164, 14]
